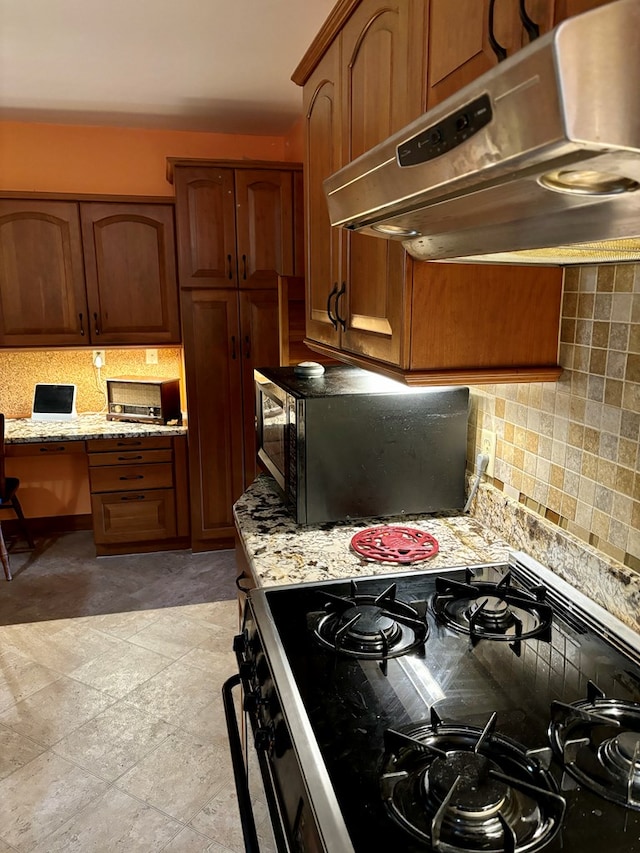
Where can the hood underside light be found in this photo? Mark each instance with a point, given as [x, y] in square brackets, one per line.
[587, 182]
[395, 231]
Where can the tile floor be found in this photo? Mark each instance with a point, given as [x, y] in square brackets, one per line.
[112, 734]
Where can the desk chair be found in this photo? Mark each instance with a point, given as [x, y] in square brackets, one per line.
[9, 500]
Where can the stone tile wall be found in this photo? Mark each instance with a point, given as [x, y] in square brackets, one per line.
[570, 450]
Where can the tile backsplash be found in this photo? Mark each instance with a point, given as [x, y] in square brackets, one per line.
[570, 450]
[21, 369]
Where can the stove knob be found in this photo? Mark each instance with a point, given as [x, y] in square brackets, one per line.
[252, 701]
[247, 670]
[263, 738]
[240, 643]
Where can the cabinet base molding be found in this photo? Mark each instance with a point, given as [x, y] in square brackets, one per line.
[439, 376]
[181, 544]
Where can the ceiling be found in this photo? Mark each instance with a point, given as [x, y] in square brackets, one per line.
[206, 65]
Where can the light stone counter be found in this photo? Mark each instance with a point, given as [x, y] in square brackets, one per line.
[281, 551]
[85, 426]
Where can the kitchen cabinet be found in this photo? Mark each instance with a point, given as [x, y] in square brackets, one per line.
[238, 229]
[87, 273]
[139, 495]
[130, 267]
[42, 292]
[226, 335]
[211, 332]
[236, 225]
[360, 92]
[459, 36]
[368, 303]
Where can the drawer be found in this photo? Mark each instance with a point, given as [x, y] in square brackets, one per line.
[155, 442]
[123, 517]
[120, 478]
[45, 448]
[119, 457]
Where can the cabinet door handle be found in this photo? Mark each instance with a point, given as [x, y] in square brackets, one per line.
[53, 449]
[496, 47]
[340, 293]
[230, 267]
[130, 458]
[333, 293]
[81, 324]
[533, 30]
[247, 347]
[95, 319]
[132, 497]
[244, 267]
[132, 477]
[233, 346]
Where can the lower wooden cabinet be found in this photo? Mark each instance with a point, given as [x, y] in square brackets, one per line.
[139, 498]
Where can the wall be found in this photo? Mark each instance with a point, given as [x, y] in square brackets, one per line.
[118, 161]
[570, 450]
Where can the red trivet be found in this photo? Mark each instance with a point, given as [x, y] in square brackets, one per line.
[395, 544]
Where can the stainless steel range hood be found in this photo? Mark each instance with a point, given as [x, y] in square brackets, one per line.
[537, 161]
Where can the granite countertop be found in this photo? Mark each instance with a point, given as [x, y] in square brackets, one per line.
[281, 551]
[85, 426]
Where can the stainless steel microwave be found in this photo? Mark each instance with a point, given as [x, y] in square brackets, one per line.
[351, 444]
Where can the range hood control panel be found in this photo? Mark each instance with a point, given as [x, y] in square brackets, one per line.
[446, 134]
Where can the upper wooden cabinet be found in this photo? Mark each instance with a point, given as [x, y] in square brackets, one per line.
[367, 85]
[85, 273]
[130, 273]
[460, 36]
[42, 292]
[368, 303]
[235, 226]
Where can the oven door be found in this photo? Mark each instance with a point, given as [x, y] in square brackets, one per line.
[303, 819]
[272, 429]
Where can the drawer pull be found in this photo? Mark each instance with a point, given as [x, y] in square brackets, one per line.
[129, 458]
[60, 449]
[132, 497]
[132, 477]
[128, 443]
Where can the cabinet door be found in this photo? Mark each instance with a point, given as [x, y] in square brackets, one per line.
[264, 223]
[459, 47]
[260, 348]
[42, 292]
[211, 331]
[568, 8]
[380, 94]
[132, 287]
[323, 156]
[205, 205]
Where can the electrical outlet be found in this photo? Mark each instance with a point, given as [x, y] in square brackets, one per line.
[98, 354]
[152, 356]
[488, 447]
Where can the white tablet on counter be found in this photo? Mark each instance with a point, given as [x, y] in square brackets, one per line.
[54, 402]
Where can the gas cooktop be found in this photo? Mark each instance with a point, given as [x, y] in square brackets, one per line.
[487, 708]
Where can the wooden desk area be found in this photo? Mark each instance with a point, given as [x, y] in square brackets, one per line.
[126, 481]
